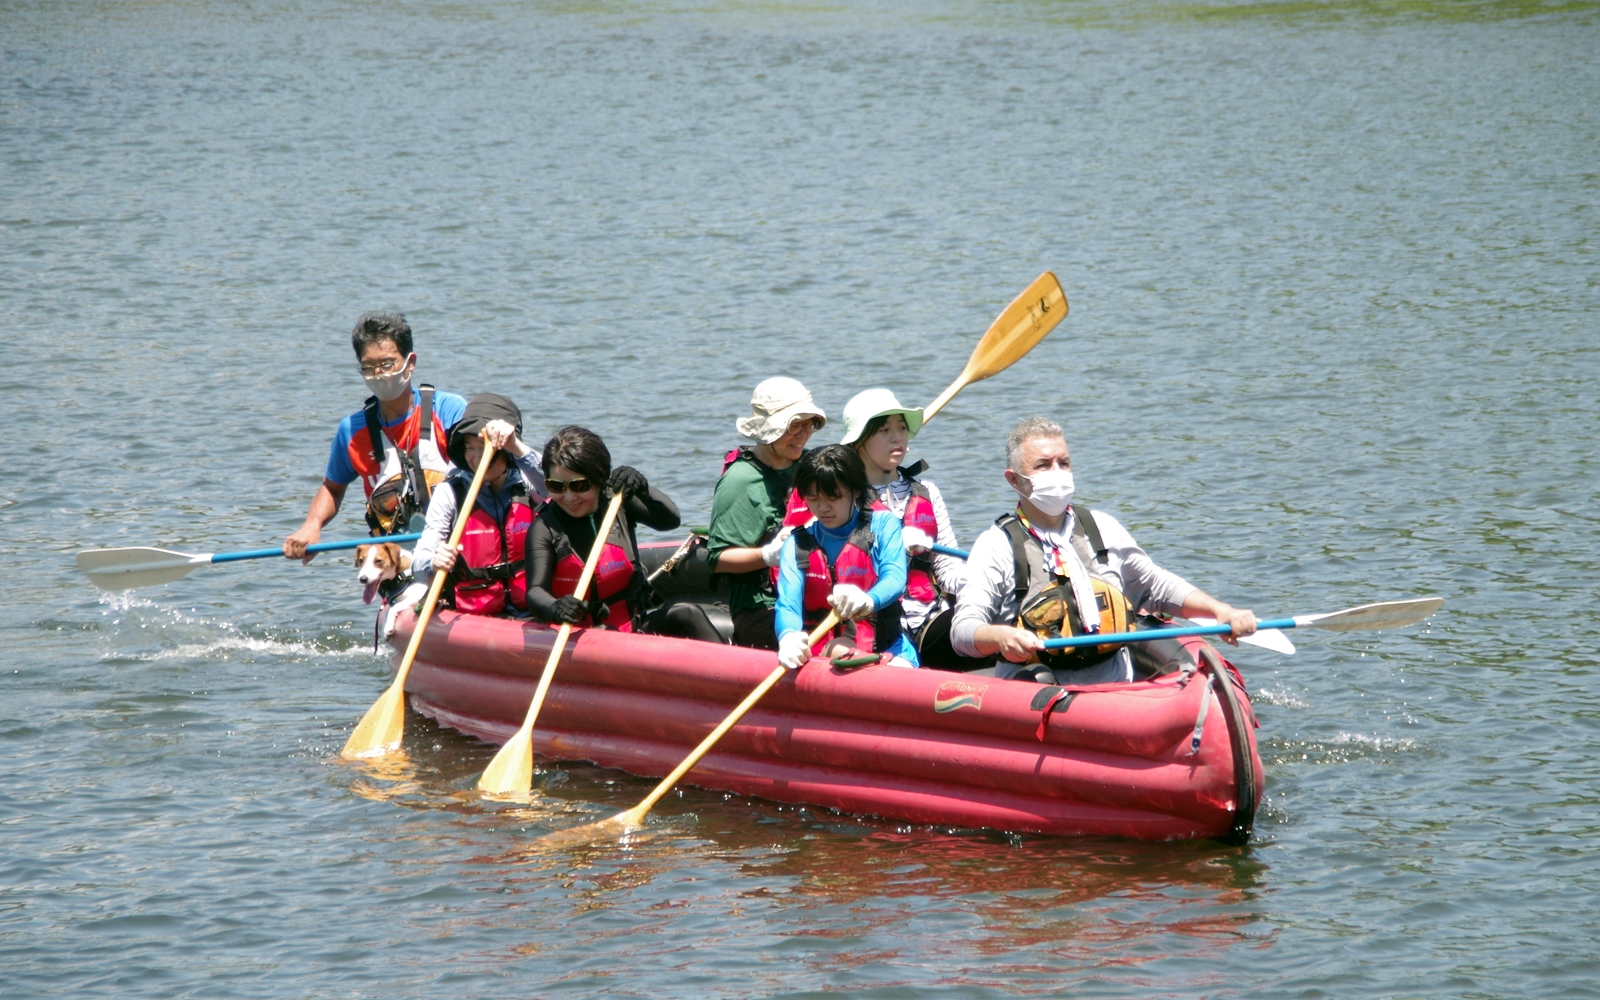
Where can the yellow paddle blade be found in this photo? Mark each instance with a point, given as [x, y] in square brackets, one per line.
[511, 771]
[1020, 326]
[379, 731]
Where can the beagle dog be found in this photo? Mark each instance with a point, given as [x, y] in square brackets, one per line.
[379, 564]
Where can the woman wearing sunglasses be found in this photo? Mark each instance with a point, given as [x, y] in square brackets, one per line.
[581, 482]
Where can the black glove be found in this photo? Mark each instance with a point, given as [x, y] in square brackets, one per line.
[628, 481]
[570, 611]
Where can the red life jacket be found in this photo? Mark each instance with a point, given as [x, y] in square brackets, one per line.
[418, 443]
[795, 514]
[919, 514]
[874, 633]
[493, 565]
[613, 578]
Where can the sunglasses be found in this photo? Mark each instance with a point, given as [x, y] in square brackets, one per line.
[557, 487]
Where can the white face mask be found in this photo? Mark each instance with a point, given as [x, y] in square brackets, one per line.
[1052, 491]
[392, 386]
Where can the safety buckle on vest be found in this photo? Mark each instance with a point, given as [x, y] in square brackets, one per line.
[1048, 700]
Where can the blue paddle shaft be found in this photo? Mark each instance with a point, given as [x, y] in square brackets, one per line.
[319, 547]
[945, 550]
[1159, 633]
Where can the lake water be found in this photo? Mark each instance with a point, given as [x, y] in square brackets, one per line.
[1333, 276]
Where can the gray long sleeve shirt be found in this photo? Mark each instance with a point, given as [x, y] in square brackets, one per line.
[989, 595]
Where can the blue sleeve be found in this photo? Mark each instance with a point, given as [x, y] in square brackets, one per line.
[792, 592]
[339, 468]
[888, 559]
[449, 408]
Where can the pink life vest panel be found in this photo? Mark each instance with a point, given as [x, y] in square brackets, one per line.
[612, 577]
[919, 514]
[493, 568]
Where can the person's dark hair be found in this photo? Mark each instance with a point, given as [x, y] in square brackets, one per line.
[834, 470]
[373, 328]
[580, 450]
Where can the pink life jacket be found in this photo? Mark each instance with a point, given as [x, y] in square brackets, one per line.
[874, 633]
[919, 573]
[612, 583]
[492, 568]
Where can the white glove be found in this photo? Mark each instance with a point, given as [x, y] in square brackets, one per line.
[851, 602]
[773, 549]
[793, 651]
[917, 540]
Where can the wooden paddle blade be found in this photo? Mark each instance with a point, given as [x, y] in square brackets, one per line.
[125, 569]
[1020, 326]
[511, 771]
[1370, 617]
[609, 828]
[379, 731]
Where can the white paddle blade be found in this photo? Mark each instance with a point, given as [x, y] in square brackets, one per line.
[124, 569]
[1372, 617]
[1267, 638]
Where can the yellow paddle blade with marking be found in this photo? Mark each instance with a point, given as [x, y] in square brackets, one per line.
[1020, 326]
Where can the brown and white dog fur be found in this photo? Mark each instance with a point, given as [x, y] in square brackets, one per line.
[379, 562]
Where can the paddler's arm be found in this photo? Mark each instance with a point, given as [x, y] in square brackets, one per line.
[1241, 620]
[739, 521]
[324, 505]
[539, 551]
[1162, 591]
[987, 600]
[430, 553]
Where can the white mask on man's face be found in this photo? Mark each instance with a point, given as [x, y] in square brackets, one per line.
[1052, 490]
[392, 386]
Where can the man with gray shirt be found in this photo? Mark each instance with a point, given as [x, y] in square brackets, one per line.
[1040, 565]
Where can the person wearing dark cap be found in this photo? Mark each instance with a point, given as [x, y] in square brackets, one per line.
[391, 445]
[487, 572]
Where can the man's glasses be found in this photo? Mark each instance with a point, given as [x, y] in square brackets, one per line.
[557, 487]
[383, 367]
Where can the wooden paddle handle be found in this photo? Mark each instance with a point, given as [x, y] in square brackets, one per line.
[636, 815]
[566, 630]
[436, 586]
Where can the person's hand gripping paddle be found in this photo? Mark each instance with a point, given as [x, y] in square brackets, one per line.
[1013, 334]
[379, 731]
[511, 771]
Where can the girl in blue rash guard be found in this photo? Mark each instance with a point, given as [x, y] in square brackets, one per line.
[850, 559]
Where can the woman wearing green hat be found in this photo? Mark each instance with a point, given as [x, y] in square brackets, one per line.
[880, 430]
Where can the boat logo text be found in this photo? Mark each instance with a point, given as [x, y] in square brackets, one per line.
[958, 694]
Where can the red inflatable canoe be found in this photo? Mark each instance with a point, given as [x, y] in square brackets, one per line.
[1172, 758]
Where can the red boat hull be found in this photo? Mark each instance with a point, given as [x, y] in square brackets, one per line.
[923, 746]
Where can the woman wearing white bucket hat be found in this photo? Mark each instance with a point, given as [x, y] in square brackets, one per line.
[880, 430]
[754, 509]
